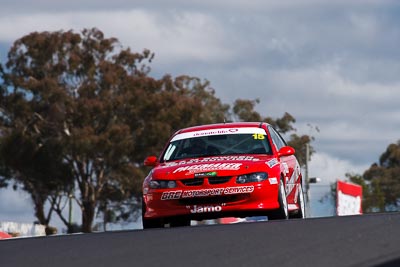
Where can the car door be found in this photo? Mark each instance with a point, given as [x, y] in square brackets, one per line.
[289, 165]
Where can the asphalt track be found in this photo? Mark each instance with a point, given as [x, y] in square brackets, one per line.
[368, 240]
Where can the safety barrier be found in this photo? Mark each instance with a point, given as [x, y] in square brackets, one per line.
[23, 229]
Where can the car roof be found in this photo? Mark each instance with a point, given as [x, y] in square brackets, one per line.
[223, 125]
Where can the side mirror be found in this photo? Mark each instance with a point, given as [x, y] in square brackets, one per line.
[286, 151]
[150, 161]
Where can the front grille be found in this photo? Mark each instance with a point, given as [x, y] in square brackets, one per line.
[192, 182]
[219, 180]
[211, 180]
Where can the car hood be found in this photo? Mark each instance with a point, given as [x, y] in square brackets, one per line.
[214, 166]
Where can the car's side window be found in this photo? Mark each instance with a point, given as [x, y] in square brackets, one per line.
[276, 138]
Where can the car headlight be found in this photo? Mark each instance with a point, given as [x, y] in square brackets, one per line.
[158, 184]
[252, 177]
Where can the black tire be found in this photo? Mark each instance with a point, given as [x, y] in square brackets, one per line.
[282, 212]
[300, 213]
[150, 223]
[179, 222]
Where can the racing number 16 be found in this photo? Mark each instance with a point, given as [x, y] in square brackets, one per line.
[258, 136]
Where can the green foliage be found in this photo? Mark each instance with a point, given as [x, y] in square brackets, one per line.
[79, 113]
[68, 95]
[244, 110]
[381, 182]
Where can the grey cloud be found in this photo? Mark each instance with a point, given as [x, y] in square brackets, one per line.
[327, 63]
[261, 5]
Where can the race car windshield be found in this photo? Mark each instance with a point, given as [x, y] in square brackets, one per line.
[214, 145]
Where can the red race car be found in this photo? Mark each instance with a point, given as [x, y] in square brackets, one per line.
[222, 170]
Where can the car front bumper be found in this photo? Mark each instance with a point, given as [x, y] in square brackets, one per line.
[212, 201]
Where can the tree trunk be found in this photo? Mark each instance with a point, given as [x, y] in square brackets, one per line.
[38, 203]
[87, 216]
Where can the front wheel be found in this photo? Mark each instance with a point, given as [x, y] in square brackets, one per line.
[301, 212]
[282, 212]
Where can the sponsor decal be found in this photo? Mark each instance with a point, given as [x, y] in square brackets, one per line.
[296, 193]
[171, 195]
[214, 132]
[271, 163]
[210, 159]
[202, 192]
[238, 190]
[285, 168]
[258, 136]
[221, 131]
[205, 208]
[178, 194]
[227, 158]
[289, 188]
[205, 174]
[168, 164]
[291, 182]
[273, 180]
[296, 173]
[208, 167]
[217, 191]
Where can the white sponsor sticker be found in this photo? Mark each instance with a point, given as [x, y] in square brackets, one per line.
[205, 208]
[273, 180]
[273, 162]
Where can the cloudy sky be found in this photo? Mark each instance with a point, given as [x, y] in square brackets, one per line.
[331, 64]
